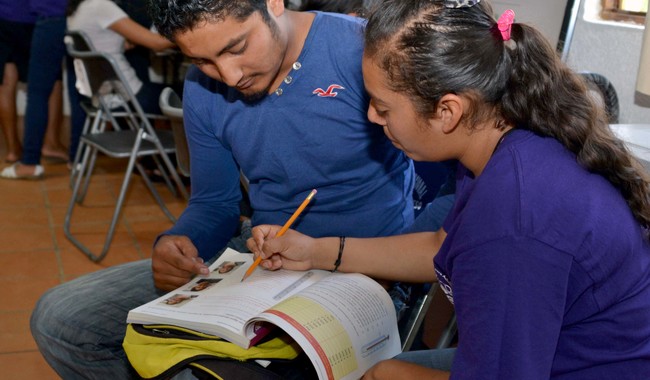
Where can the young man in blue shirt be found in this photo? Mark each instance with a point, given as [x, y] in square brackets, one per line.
[278, 95]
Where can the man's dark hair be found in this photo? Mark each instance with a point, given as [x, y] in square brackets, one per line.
[335, 6]
[171, 17]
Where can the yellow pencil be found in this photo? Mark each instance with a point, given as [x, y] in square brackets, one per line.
[282, 230]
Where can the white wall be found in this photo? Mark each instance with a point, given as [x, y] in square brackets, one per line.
[613, 50]
[545, 15]
[607, 48]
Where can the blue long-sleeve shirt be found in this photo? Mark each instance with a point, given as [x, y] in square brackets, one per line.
[314, 135]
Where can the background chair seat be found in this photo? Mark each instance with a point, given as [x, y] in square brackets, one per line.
[120, 144]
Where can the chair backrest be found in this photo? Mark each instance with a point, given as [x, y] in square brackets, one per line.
[79, 41]
[171, 106]
[430, 177]
[604, 91]
[99, 76]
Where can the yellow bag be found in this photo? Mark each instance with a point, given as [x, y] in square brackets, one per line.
[160, 351]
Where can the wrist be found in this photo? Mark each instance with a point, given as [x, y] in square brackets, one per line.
[339, 256]
[326, 253]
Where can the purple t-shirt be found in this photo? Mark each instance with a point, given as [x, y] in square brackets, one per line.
[547, 268]
[48, 8]
[16, 11]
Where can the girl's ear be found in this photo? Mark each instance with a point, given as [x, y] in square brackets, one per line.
[449, 112]
[276, 7]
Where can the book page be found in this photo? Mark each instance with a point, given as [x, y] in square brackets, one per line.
[345, 323]
[220, 304]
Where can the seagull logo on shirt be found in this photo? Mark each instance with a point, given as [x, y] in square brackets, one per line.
[330, 92]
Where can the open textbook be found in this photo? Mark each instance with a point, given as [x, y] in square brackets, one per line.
[345, 323]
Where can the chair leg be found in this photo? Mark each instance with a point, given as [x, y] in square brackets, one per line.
[118, 205]
[84, 170]
[165, 176]
[70, 211]
[416, 317]
[88, 172]
[116, 212]
[77, 156]
[81, 181]
[154, 192]
[79, 153]
[177, 179]
[171, 169]
[147, 180]
[448, 334]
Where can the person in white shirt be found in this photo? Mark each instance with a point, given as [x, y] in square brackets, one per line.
[111, 30]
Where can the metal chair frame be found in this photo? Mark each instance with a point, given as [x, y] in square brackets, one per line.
[171, 106]
[96, 118]
[106, 82]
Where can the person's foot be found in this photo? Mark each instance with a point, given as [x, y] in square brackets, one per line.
[55, 154]
[21, 171]
[11, 158]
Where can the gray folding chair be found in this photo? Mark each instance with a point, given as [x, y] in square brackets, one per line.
[604, 92]
[413, 321]
[104, 83]
[96, 119]
[171, 106]
[77, 40]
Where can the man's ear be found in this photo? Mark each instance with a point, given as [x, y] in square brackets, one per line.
[449, 112]
[276, 7]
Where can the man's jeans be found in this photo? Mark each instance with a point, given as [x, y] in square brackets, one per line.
[79, 325]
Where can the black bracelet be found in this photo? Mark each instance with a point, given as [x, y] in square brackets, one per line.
[338, 259]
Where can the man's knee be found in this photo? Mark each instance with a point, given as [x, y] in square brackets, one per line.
[44, 315]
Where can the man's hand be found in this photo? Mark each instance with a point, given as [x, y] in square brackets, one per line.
[175, 261]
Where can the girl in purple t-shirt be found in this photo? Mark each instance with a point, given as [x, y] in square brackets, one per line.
[545, 252]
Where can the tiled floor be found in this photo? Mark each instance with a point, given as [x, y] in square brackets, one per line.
[35, 255]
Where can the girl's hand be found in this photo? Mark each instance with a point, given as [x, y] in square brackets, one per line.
[292, 251]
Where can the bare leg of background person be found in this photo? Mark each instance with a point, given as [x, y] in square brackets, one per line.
[8, 118]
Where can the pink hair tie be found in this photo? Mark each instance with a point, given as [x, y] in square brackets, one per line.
[505, 23]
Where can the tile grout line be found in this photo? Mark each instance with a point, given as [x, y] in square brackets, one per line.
[50, 218]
